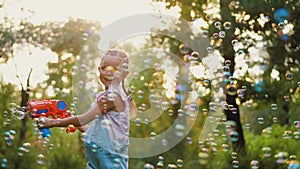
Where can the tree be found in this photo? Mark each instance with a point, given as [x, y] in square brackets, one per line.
[66, 39]
[235, 28]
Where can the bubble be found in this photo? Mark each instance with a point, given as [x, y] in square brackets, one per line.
[216, 132]
[274, 106]
[138, 122]
[266, 151]
[296, 134]
[140, 94]
[210, 49]
[6, 122]
[12, 106]
[204, 33]
[20, 151]
[275, 119]
[267, 131]
[152, 135]
[94, 147]
[240, 93]
[289, 75]
[179, 162]
[205, 112]
[234, 155]
[165, 105]
[227, 63]
[4, 163]
[224, 137]
[288, 134]
[19, 114]
[85, 36]
[189, 140]
[203, 156]
[83, 67]
[74, 68]
[234, 136]
[180, 112]
[51, 146]
[227, 25]
[5, 113]
[254, 164]
[293, 157]
[106, 123]
[180, 130]
[222, 34]
[116, 162]
[206, 82]
[195, 55]
[8, 137]
[297, 124]
[111, 96]
[125, 67]
[234, 42]
[231, 89]
[286, 98]
[172, 166]
[240, 52]
[211, 119]
[12, 132]
[183, 48]
[234, 110]
[187, 57]
[281, 25]
[164, 142]
[235, 164]
[281, 157]
[148, 166]
[226, 68]
[215, 35]
[225, 147]
[40, 159]
[160, 165]
[217, 24]
[161, 158]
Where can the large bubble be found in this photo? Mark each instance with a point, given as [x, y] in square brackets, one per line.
[162, 78]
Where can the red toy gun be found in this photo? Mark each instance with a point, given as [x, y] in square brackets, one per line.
[46, 108]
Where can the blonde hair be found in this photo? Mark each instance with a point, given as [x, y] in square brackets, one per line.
[116, 53]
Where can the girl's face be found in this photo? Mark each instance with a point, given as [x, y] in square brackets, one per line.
[110, 71]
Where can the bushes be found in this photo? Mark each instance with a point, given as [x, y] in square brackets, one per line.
[264, 143]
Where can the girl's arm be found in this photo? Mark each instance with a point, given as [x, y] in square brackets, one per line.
[103, 106]
[79, 120]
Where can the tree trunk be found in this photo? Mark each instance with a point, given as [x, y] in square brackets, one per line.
[228, 54]
[24, 101]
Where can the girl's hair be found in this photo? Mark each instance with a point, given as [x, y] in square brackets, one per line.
[122, 55]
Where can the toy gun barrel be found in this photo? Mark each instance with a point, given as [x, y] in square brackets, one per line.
[46, 108]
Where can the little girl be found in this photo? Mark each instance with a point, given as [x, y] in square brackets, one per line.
[107, 138]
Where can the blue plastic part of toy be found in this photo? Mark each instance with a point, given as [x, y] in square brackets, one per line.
[45, 132]
[42, 111]
[62, 105]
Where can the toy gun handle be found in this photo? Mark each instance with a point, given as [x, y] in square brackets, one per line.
[44, 131]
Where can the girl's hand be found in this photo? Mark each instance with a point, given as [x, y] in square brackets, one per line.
[44, 122]
[82, 129]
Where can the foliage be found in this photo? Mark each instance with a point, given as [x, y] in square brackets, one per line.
[69, 38]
